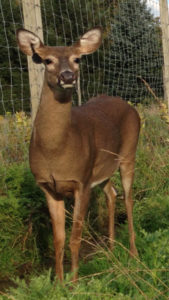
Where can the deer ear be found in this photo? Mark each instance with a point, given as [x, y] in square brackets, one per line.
[28, 41]
[90, 41]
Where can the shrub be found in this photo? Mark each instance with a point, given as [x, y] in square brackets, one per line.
[15, 131]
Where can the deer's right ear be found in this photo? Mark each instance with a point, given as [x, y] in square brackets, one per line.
[28, 41]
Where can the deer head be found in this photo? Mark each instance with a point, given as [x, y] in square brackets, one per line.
[61, 63]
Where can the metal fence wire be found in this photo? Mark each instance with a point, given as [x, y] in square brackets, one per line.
[131, 48]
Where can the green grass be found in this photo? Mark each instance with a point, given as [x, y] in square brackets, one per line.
[26, 248]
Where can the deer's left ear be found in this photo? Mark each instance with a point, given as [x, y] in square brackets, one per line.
[90, 41]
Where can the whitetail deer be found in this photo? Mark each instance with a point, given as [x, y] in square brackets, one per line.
[73, 149]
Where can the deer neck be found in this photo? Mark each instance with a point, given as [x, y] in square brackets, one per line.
[53, 118]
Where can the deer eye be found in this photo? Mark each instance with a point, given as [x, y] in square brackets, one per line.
[77, 60]
[48, 61]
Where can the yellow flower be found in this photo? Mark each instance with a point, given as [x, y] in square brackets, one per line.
[1, 118]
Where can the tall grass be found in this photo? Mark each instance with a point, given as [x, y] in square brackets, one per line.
[26, 249]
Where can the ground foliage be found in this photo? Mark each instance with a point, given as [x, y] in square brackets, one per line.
[26, 248]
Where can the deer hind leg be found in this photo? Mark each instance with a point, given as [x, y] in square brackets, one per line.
[111, 200]
[127, 176]
[57, 213]
[80, 208]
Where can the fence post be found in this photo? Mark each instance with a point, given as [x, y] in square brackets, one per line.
[33, 22]
[165, 41]
[79, 90]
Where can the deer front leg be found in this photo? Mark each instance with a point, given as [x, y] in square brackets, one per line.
[80, 208]
[57, 213]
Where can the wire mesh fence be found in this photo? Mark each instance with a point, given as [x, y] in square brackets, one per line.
[131, 48]
[129, 63]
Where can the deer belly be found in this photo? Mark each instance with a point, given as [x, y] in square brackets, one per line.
[103, 170]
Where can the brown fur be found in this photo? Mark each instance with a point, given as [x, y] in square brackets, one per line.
[73, 149]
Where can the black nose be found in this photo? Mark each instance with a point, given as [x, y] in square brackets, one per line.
[67, 77]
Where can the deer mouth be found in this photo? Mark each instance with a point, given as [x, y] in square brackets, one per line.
[67, 85]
